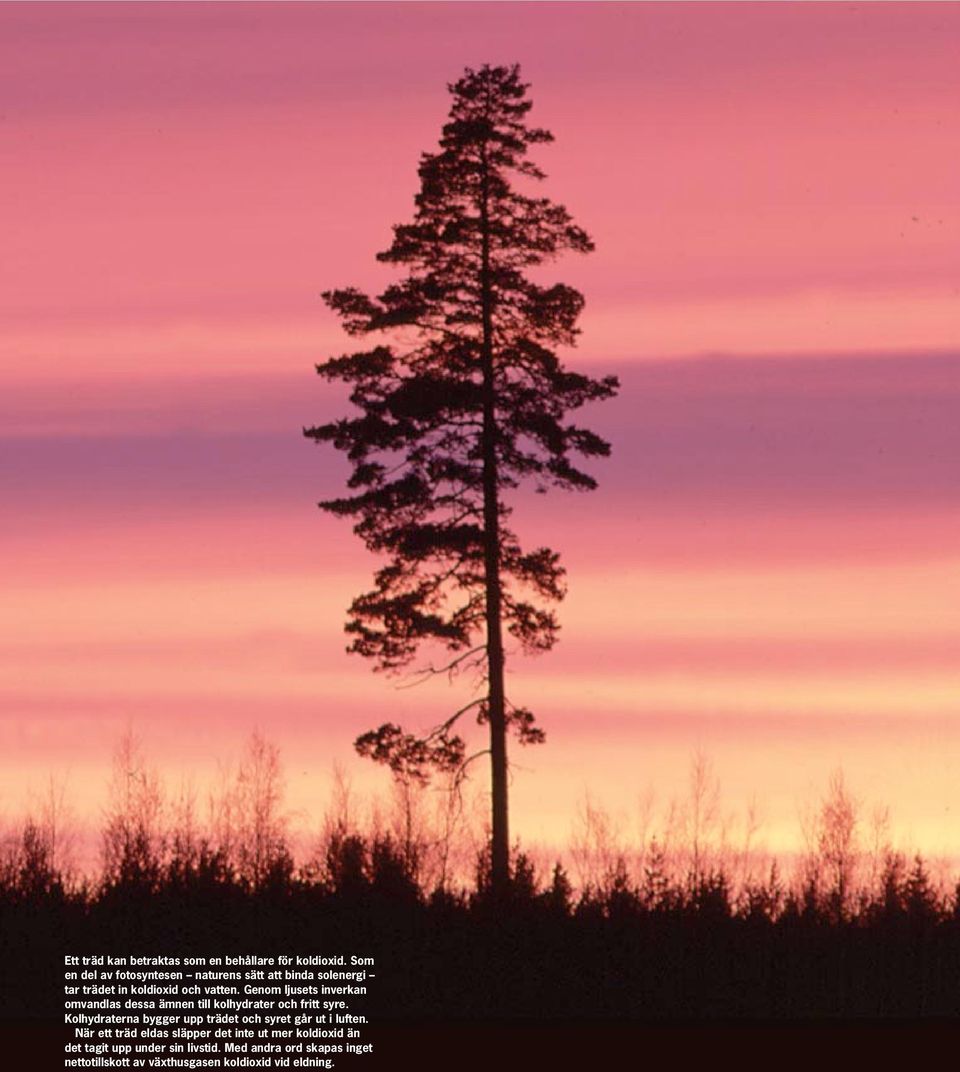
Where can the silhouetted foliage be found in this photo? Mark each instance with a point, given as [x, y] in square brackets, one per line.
[668, 934]
[468, 401]
[668, 946]
[559, 896]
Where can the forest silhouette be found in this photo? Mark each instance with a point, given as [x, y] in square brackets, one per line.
[680, 932]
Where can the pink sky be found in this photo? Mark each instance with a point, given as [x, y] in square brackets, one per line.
[773, 194]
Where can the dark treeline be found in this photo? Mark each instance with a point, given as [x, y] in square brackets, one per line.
[650, 946]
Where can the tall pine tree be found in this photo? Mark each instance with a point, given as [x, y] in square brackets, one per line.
[463, 398]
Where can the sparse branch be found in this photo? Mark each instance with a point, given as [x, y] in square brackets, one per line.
[460, 775]
[447, 725]
[428, 672]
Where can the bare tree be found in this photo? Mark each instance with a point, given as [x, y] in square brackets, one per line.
[133, 843]
[703, 801]
[837, 842]
[259, 823]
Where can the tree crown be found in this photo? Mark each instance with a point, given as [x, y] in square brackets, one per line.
[461, 399]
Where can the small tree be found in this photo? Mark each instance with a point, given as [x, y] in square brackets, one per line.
[466, 401]
[837, 848]
[134, 843]
[260, 826]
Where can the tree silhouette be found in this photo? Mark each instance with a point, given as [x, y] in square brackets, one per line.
[467, 400]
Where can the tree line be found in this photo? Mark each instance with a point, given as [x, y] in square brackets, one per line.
[664, 935]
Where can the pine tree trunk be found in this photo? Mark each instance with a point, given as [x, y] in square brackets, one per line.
[496, 701]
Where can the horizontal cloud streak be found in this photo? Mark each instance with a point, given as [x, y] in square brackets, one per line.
[729, 431]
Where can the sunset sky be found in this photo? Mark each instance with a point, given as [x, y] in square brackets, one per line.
[770, 569]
